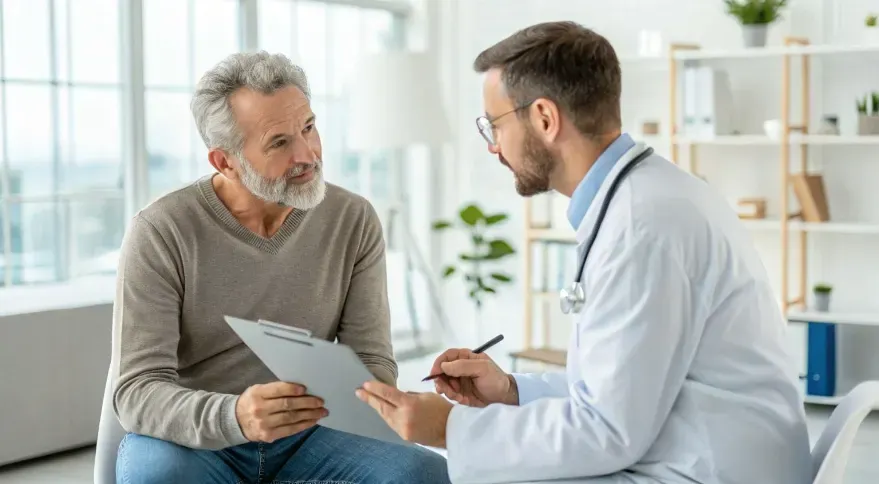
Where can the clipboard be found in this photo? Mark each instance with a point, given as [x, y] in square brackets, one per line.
[328, 370]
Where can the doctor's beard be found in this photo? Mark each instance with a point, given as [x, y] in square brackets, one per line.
[283, 190]
[537, 165]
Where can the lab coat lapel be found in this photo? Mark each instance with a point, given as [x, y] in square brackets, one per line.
[586, 225]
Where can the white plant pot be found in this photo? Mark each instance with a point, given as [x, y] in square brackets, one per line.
[822, 301]
[754, 35]
[871, 35]
[868, 125]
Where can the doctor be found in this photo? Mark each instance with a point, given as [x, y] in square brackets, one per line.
[676, 371]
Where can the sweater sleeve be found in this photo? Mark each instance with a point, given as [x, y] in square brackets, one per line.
[147, 396]
[365, 325]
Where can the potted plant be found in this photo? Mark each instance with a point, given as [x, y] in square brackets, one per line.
[481, 280]
[822, 297]
[868, 114]
[872, 31]
[755, 17]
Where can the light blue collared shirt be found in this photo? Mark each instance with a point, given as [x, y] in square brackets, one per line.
[588, 187]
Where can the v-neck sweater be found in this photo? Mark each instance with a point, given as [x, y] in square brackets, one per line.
[186, 262]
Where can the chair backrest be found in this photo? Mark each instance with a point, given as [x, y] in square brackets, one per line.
[110, 434]
[831, 452]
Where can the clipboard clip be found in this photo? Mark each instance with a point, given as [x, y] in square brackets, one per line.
[283, 327]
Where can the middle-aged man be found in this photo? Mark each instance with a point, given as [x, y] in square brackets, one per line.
[262, 238]
[676, 369]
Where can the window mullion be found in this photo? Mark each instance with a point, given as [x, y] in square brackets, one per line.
[62, 235]
[248, 23]
[133, 106]
[5, 187]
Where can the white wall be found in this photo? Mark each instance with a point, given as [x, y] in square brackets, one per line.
[850, 262]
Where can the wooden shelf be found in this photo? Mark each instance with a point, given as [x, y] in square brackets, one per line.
[819, 400]
[548, 356]
[825, 227]
[551, 235]
[774, 51]
[763, 140]
[860, 318]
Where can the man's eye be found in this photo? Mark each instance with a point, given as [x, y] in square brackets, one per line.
[279, 143]
[308, 128]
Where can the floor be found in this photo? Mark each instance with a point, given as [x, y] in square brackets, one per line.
[75, 467]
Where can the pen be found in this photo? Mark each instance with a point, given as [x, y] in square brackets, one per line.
[488, 344]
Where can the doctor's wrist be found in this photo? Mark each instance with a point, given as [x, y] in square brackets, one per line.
[512, 397]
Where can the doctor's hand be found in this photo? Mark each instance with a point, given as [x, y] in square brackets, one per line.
[473, 379]
[419, 418]
[276, 410]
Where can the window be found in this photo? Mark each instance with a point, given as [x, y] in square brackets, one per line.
[328, 40]
[61, 166]
[181, 40]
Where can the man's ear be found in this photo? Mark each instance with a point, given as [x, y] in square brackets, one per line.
[546, 118]
[223, 163]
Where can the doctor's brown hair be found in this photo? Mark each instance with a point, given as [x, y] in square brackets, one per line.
[566, 63]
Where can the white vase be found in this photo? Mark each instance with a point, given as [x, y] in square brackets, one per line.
[754, 35]
[871, 35]
[868, 125]
[822, 301]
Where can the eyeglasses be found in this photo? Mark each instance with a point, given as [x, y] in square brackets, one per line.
[487, 127]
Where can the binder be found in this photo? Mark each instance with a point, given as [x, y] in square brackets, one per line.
[821, 360]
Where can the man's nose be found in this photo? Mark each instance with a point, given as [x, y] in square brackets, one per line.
[303, 153]
[494, 149]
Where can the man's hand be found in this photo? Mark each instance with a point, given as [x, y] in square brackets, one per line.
[276, 410]
[416, 417]
[473, 379]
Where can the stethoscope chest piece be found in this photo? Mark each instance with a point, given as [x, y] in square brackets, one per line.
[572, 298]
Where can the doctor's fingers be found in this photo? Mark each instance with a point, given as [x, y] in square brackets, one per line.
[453, 354]
[465, 368]
[383, 407]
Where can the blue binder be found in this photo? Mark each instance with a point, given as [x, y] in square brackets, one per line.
[821, 365]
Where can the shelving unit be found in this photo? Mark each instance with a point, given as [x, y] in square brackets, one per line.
[793, 143]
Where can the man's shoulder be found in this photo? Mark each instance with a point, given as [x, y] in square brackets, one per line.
[343, 203]
[169, 209]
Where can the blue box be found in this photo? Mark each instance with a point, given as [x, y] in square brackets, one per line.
[821, 360]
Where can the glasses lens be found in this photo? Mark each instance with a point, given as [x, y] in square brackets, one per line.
[485, 129]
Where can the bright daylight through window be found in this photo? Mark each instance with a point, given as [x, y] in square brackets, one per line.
[90, 134]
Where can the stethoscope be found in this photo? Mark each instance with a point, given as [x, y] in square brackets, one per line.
[573, 297]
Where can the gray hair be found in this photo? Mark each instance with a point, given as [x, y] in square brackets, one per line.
[258, 71]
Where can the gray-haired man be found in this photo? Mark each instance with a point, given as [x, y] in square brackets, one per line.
[264, 237]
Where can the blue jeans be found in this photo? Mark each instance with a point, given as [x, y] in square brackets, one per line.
[316, 456]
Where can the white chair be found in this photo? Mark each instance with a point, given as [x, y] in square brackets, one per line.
[110, 434]
[831, 452]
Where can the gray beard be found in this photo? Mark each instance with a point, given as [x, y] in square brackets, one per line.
[280, 191]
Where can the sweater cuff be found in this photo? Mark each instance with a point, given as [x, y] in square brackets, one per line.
[383, 374]
[229, 422]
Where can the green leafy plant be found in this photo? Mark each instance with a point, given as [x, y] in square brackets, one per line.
[862, 105]
[823, 288]
[875, 96]
[474, 264]
[871, 20]
[755, 12]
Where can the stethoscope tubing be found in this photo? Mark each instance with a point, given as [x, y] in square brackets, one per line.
[611, 191]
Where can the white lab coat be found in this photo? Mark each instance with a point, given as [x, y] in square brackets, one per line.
[677, 368]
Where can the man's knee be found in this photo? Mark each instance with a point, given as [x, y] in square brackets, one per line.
[145, 460]
[416, 464]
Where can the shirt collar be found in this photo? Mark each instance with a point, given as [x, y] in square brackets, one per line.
[585, 192]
